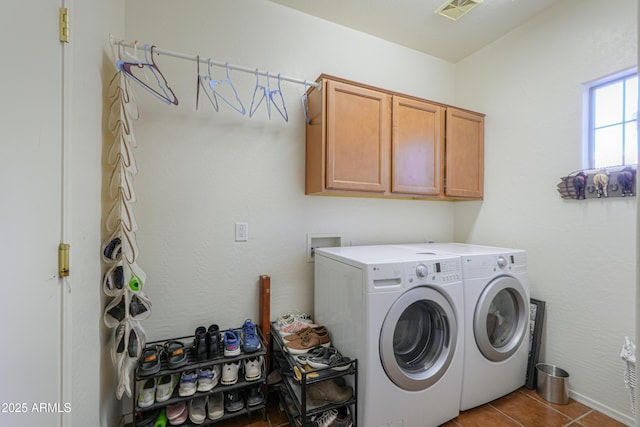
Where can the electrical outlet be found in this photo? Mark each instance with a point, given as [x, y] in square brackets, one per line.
[242, 231]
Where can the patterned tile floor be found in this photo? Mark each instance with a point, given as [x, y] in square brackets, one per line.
[522, 408]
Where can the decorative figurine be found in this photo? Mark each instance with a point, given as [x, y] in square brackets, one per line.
[625, 179]
[580, 184]
[601, 182]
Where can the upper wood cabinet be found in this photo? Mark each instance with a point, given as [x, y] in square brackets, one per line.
[367, 141]
[465, 154]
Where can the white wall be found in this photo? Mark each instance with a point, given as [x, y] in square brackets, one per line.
[202, 171]
[582, 254]
[92, 383]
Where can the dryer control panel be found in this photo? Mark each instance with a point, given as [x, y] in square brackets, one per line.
[433, 271]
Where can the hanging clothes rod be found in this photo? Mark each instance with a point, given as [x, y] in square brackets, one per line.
[206, 61]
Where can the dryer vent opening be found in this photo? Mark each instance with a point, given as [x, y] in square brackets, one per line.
[456, 9]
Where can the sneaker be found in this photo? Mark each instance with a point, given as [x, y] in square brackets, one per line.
[208, 378]
[166, 385]
[251, 341]
[147, 393]
[253, 368]
[329, 358]
[296, 326]
[231, 344]
[177, 413]
[233, 401]
[230, 373]
[307, 342]
[254, 395]
[326, 418]
[188, 382]
[296, 335]
[216, 406]
[343, 419]
[197, 409]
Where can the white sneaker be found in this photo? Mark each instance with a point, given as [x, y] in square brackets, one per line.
[197, 409]
[253, 368]
[208, 378]
[188, 382]
[216, 406]
[147, 393]
[166, 385]
[230, 373]
[326, 418]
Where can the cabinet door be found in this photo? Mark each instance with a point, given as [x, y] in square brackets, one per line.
[357, 138]
[464, 154]
[416, 141]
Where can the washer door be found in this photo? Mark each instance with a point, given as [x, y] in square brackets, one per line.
[418, 338]
[500, 319]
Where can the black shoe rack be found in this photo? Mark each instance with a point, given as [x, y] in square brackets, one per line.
[292, 390]
[193, 365]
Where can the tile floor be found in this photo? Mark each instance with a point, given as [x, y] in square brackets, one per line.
[521, 408]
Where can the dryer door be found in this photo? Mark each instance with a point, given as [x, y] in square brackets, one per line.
[418, 338]
[501, 317]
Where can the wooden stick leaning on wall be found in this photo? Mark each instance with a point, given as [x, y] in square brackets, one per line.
[264, 321]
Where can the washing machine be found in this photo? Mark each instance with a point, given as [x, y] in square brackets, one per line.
[496, 309]
[401, 315]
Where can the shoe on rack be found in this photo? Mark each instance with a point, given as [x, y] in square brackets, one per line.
[233, 401]
[197, 409]
[147, 393]
[251, 341]
[253, 368]
[213, 341]
[216, 406]
[166, 385]
[231, 343]
[188, 382]
[292, 323]
[208, 378]
[177, 413]
[318, 329]
[200, 343]
[146, 418]
[326, 418]
[328, 391]
[329, 358]
[254, 395]
[230, 373]
[343, 419]
[307, 342]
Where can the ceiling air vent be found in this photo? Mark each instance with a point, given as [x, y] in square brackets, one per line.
[456, 9]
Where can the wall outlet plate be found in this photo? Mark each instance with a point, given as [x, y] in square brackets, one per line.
[321, 240]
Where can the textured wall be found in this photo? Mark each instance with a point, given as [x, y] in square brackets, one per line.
[581, 254]
[202, 171]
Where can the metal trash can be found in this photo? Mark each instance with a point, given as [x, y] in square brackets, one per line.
[552, 383]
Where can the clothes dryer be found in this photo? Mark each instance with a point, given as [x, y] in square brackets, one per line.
[496, 309]
[400, 314]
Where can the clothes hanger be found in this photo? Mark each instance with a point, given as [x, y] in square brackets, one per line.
[260, 93]
[166, 95]
[305, 104]
[200, 83]
[279, 97]
[213, 84]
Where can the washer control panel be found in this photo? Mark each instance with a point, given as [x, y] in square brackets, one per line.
[433, 271]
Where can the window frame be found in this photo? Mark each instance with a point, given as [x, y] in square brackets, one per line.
[588, 134]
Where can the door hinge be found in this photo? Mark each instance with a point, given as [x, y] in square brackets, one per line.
[64, 25]
[63, 259]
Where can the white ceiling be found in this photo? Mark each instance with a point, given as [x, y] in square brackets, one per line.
[413, 23]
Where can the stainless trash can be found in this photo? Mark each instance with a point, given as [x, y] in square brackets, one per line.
[552, 383]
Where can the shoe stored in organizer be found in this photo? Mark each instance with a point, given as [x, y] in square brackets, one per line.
[343, 419]
[253, 368]
[307, 342]
[215, 409]
[188, 382]
[208, 378]
[328, 391]
[166, 385]
[231, 343]
[254, 395]
[251, 341]
[230, 373]
[233, 401]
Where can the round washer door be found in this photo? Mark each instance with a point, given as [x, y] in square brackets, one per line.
[418, 338]
[500, 319]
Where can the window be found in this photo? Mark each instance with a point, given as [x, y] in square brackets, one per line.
[612, 108]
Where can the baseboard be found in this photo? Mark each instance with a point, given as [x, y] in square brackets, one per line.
[610, 412]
